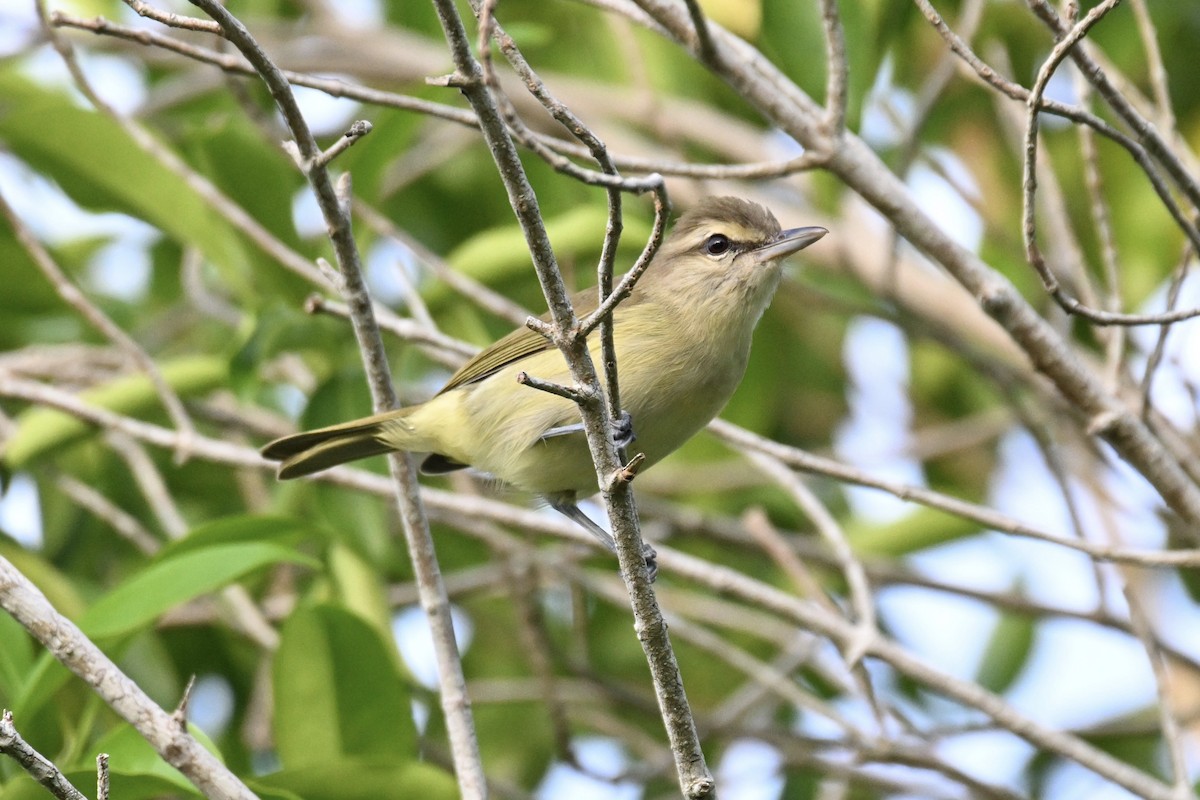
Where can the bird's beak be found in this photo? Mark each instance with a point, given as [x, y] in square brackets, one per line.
[788, 242]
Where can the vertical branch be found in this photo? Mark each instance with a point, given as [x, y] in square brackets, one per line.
[1113, 337]
[335, 207]
[704, 43]
[1158, 71]
[1029, 164]
[1168, 722]
[610, 178]
[836, 69]
[1151, 138]
[694, 777]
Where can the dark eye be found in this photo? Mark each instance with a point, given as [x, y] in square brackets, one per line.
[716, 244]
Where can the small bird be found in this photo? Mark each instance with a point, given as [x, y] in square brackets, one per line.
[682, 340]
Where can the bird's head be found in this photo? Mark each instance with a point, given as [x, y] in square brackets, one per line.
[728, 248]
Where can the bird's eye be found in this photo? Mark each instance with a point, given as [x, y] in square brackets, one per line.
[717, 244]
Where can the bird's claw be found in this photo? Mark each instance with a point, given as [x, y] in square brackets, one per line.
[623, 434]
[651, 557]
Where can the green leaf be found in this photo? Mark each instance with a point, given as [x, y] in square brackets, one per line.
[42, 682]
[338, 691]
[16, 659]
[240, 529]
[1007, 651]
[131, 755]
[920, 530]
[42, 430]
[101, 167]
[59, 588]
[500, 253]
[165, 584]
[363, 779]
[360, 586]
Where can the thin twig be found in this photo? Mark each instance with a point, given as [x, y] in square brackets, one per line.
[717, 578]
[335, 207]
[861, 599]
[704, 43]
[1157, 70]
[40, 768]
[1143, 156]
[556, 389]
[242, 611]
[629, 279]
[489, 28]
[102, 778]
[127, 526]
[91, 313]
[478, 293]
[339, 88]
[779, 100]
[353, 134]
[812, 617]
[174, 20]
[1168, 724]
[1160, 342]
[213, 197]
[986, 517]
[1029, 183]
[1114, 337]
[836, 69]
[1153, 140]
[445, 349]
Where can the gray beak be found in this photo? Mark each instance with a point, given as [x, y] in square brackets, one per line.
[788, 242]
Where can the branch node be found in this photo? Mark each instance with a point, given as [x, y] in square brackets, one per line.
[858, 645]
[179, 715]
[332, 275]
[358, 130]
[453, 80]
[540, 326]
[1103, 423]
[293, 150]
[700, 788]
[627, 473]
[314, 304]
[995, 299]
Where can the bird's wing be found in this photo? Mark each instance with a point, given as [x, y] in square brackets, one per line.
[514, 347]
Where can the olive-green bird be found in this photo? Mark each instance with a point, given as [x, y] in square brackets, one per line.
[682, 342]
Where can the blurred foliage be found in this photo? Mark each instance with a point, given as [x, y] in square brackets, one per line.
[329, 713]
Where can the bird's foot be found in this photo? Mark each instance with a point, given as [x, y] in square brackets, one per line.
[565, 505]
[623, 434]
[651, 557]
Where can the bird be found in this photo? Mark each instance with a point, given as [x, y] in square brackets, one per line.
[682, 340]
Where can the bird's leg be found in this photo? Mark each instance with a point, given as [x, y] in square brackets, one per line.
[565, 505]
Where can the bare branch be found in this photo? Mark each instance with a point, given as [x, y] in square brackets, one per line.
[694, 778]
[40, 768]
[336, 211]
[987, 517]
[1029, 183]
[67, 643]
[174, 20]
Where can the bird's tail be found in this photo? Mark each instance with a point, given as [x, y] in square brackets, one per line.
[312, 451]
